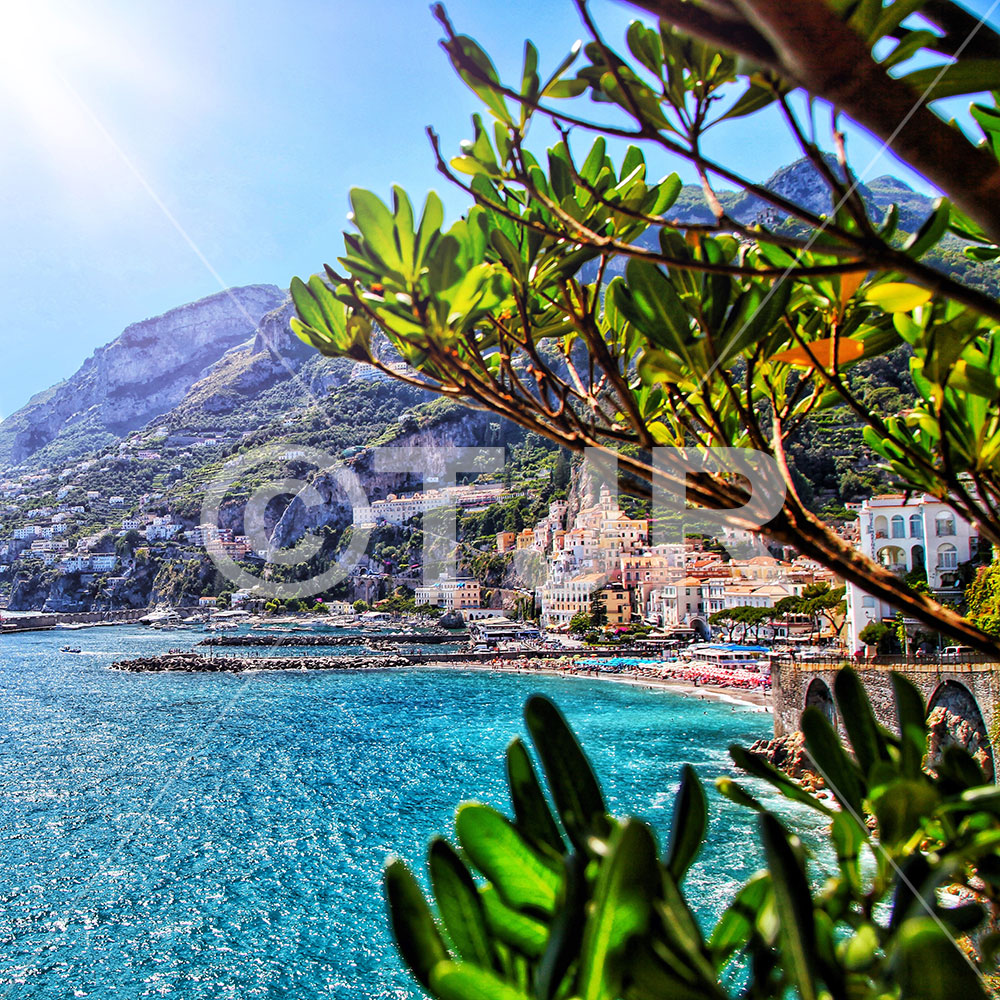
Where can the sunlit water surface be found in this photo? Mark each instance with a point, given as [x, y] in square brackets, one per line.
[208, 836]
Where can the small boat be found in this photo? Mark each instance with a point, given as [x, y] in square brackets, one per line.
[70, 649]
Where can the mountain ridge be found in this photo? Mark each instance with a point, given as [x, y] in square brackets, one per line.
[137, 376]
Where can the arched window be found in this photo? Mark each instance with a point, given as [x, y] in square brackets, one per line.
[945, 524]
[916, 526]
[898, 526]
[947, 556]
[881, 527]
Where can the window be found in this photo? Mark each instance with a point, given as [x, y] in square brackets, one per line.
[947, 557]
[916, 526]
[898, 526]
[868, 601]
[944, 525]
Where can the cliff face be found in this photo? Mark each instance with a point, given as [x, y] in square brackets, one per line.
[141, 374]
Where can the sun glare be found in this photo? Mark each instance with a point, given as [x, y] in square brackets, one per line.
[29, 36]
[57, 60]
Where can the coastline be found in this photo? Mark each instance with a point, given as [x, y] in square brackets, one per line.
[755, 700]
[193, 662]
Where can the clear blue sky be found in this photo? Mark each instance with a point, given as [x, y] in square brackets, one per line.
[248, 120]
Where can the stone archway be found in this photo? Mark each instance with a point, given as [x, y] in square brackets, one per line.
[702, 629]
[954, 717]
[818, 695]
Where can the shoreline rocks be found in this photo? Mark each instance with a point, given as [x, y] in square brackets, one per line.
[193, 663]
[788, 753]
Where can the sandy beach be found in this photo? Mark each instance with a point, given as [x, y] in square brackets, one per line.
[757, 700]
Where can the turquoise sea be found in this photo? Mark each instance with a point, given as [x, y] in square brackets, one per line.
[212, 836]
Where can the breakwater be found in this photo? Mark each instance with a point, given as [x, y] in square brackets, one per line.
[408, 638]
[193, 663]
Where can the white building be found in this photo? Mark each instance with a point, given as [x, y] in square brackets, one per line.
[452, 595]
[562, 599]
[161, 528]
[906, 535]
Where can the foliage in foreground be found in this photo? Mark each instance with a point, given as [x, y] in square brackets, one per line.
[720, 333]
[574, 902]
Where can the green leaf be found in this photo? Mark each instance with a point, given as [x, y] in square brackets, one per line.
[793, 905]
[374, 222]
[413, 927]
[735, 926]
[930, 232]
[898, 296]
[929, 965]
[572, 782]
[594, 162]
[495, 847]
[306, 306]
[989, 121]
[462, 981]
[910, 43]
[863, 731]
[911, 714]
[521, 932]
[430, 224]
[562, 89]
[659, 312]
[622, 905]
[478, 73]
[899, 808]
[849, 835]
[689, 826]
[967, 76]
[760, 768]
[334, 312]
[860, 950]
[566, 933]
[561, 68]
[650, 978]
[529, 75]
[982, 253]
[752, 99]
[531, 811]
[839, 772]
[735, 792]
[459, 904]
[963, 226]
[402, 214]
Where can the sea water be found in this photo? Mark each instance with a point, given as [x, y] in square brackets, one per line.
[210, 836]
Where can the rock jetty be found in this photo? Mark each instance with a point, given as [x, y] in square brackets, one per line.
[193, 663]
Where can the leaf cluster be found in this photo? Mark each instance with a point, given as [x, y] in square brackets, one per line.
[564, 900]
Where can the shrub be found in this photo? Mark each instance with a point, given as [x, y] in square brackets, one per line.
[574, 902]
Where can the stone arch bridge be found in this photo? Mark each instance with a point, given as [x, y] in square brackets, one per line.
[969, 691]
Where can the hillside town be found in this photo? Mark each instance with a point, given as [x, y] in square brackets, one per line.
[596, 563]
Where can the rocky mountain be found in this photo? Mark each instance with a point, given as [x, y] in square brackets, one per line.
[802, 183]
[141, 374]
